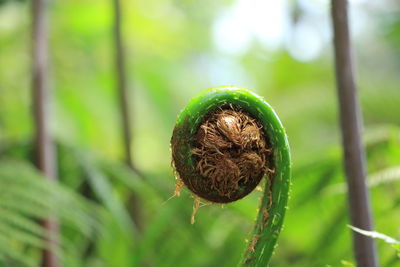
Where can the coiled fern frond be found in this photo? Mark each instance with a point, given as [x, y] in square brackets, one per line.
[224, 142]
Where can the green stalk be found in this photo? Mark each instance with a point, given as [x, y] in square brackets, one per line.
[274, 202]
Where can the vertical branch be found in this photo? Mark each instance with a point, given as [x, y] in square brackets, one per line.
[122, 88]
[44, 146]
[351, 124]
[121, 83]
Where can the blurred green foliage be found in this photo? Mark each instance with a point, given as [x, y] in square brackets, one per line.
[173, 55]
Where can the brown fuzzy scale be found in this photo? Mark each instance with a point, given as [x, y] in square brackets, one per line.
[230, 154]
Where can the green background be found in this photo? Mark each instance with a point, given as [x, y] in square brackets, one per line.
[176, 49]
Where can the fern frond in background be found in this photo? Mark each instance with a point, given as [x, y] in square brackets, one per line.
[24, 199]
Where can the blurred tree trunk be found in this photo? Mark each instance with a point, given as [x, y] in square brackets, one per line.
[351, 124]
[125, 108]
[44, 148]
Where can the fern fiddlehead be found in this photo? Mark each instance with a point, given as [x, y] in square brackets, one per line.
[224, 142]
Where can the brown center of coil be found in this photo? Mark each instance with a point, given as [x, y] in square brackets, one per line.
[231, 155]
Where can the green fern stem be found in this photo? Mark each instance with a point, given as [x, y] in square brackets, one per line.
[274, 201]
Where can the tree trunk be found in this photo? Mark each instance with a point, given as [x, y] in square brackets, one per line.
[44, 148]
[125, 111]
[351, 124]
